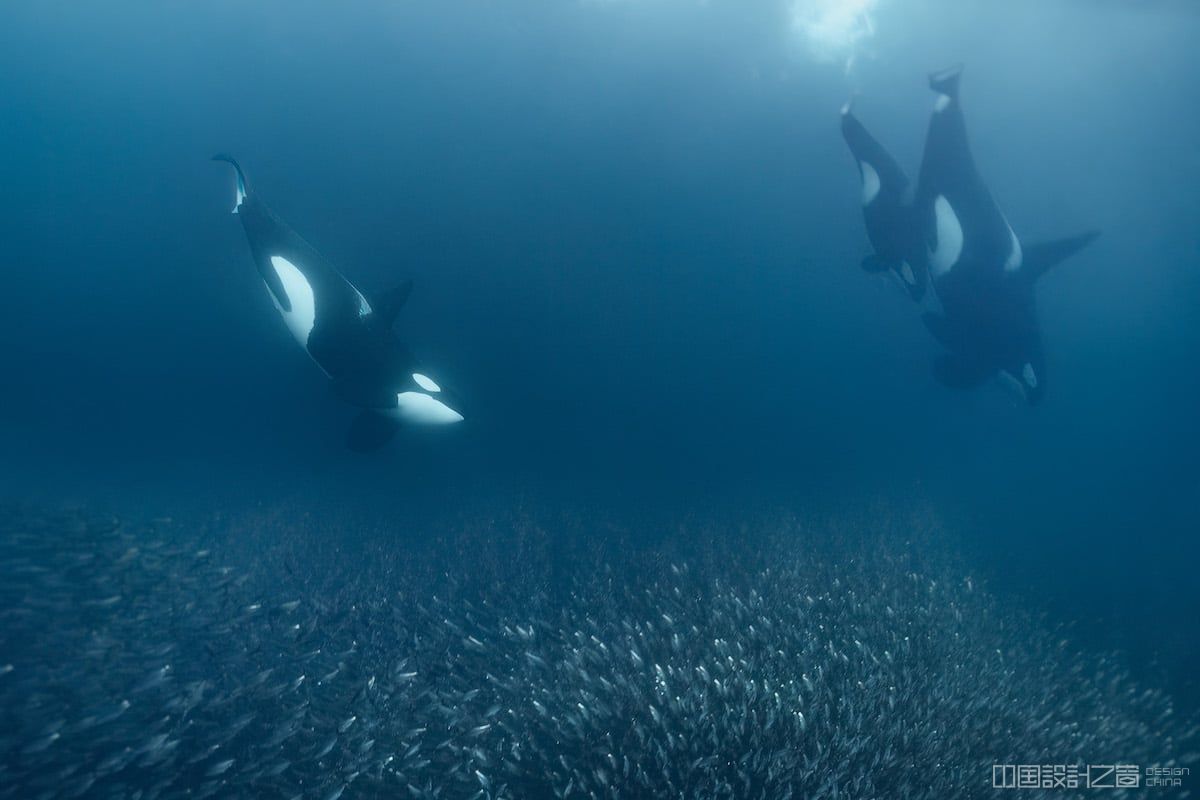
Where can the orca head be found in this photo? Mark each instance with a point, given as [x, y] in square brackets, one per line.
[991, 330]
[1024, 358]
[421, 400]
[1017, 349]
[1010, 338]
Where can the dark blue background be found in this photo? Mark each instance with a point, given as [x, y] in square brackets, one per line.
[634, 231]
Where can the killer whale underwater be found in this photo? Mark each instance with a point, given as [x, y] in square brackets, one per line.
[349, 338]
[950, 232]
[947, 232]
[888, 209]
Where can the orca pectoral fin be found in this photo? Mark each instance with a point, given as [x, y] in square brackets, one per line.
[956, 371]
[390, 302]
[370, 431]
[874, 264]
[1040, 257]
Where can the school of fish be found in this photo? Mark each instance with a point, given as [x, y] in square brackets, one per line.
[138, 661]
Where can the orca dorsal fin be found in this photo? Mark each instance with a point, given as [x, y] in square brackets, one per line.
[390, 302]
[1040, 257]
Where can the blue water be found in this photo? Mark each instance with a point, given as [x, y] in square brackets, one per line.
[634, 232]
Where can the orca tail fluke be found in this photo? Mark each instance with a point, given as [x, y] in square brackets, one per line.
[239, 175]
[370, 431]
[945, 81]
[1040, 257]
[877, 168]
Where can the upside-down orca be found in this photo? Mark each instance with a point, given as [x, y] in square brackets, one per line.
[887, 201]
[349, 338]
[982, 275]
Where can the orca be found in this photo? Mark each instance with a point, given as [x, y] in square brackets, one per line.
[888, 211]
[982, 275]
[349, 337]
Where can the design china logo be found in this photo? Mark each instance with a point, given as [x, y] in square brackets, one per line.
[1090, 776]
